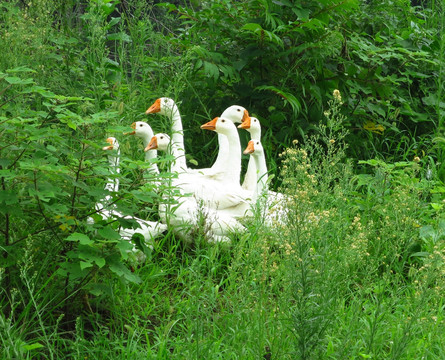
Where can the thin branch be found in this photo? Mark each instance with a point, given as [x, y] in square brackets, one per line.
[79, 169]
[42, 212]
[6, 88]
[17, 159]
[9, 100]
[6, 231]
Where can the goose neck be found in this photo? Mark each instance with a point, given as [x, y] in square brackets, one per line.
[262, 177]
[255, 134]
[177, 139]
[233, 164]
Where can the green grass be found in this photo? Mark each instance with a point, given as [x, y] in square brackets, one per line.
[357, 273]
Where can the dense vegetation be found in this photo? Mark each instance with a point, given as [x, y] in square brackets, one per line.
[359, 269]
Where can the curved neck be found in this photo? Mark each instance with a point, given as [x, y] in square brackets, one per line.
[177, 137]
[250, 179]
[113, 183]
[232, 166]
[223, 146]
[262, 177]
[150, 155]
[174, 151]
[255, 134]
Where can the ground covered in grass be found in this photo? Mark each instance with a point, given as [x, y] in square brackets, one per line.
[349, 95]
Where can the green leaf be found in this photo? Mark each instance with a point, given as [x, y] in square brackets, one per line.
[121, 36]
[124, 247]
[436, 206]
[32, 346]
[423, 254]
[71, 125]
[119, 269]
[44, 195]
[20, 69]
[99, 289]
[427, 231]
[100, 261]
[85, 265]
[288, 97]
[211, 70]
[82, 238]
[8, 197]
[109, 234]
[252, 27]
[144, 196]
[114, 21]
[18, 81]
[302, 13]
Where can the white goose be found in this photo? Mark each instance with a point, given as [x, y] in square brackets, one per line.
[236, 114]
[187, 214]
[221, 191]
[253, 126]
[224, 191]
[166, 106]
[255, 150]
[144, 131]
[231, 168]
[274, 212]
[148, 229]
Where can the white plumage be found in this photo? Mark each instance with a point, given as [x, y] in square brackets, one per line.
[148, 229]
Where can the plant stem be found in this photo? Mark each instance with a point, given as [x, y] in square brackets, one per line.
[7, 285]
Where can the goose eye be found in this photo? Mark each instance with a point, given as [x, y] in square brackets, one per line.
[223, 120]
[254, 120]
[162, 137]
[238, 110]
[140, 125]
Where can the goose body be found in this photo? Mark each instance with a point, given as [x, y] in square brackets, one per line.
[148, 229]
[166, 106]
[270, 203]
[221, 191]
[186, 213]
[144, 131]
[252, 125]
[230, 181]
[256, 151]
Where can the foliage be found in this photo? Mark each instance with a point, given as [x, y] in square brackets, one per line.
[51, 177]
[357, 268]
[283, 60]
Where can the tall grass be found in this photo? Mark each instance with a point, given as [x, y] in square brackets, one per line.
[356, 271]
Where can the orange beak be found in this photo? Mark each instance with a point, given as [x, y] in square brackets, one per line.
[133, 126]
[156, 107]
[211, 125]
[249, 149]
[245, 116]
[153, 144]
[245, 124]
[110, 147]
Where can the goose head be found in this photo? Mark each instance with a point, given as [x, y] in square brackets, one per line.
[141, 129]
[253, 148]
[253, 126]
[159, 141]
[114, 145]
[235, 113]
[163, 106]
[220, 125]
[250, 124]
